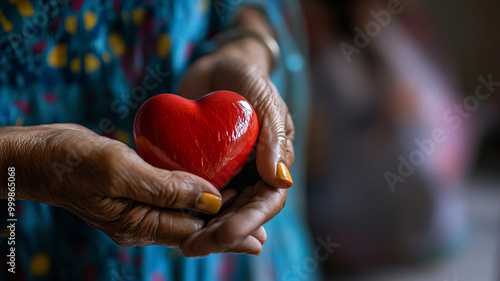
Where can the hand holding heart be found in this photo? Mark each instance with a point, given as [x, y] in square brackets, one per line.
[179, 134]
[104, 182]
[112, 189]
[230, 68]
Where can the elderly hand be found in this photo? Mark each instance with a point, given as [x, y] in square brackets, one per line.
[242, 66]
[235, 67]
[105, 183]
[112, 189]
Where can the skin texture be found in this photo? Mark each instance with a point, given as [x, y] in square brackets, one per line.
[112, 189]
[232, 68]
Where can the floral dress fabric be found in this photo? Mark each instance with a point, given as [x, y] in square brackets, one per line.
[94, 63]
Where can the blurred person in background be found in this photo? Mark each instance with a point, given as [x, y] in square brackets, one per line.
[83, 200]
[391, 142]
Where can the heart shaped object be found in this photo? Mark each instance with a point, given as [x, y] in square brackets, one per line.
[211, 137]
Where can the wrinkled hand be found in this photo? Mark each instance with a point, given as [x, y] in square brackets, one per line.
[238, 67]
[110, 187]
[233, 68]
[238, 228]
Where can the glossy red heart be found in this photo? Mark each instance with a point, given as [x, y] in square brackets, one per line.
[211, 137]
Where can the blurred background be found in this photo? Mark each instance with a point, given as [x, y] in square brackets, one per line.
[405, 138]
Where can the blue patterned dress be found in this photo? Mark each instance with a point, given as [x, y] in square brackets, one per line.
[84, 61]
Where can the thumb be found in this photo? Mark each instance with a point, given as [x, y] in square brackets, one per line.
[274, 149]
[275, 146]
[171, 189]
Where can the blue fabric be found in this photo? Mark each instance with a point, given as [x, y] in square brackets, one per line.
[86, 64]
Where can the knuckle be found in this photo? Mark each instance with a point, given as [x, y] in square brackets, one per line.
[110, 165]
[171, 192]
[133, 228]
[282, 201]
[113, 170]
[276, 131]
[265, 101]
[274, 138]
[175, 234]
[153, 234]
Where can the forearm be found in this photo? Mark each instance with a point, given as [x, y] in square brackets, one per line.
[22, 148]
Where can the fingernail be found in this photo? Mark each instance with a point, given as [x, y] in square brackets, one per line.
[209, 203]
[283, 175]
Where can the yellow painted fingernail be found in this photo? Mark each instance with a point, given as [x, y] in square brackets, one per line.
[283, 175]
[209, 203]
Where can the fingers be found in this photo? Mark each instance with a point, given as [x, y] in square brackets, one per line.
[181, 190]
[166, 189]
[275, 144]
[228, 195]
[230, 231]
[265, 203]
[252, 244]
[249, 245]
[136, 224]
[290, 137]
[173, 228]
[205, 244]
[260, 234]
[273, 147]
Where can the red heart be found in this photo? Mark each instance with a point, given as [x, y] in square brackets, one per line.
[211, 137]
